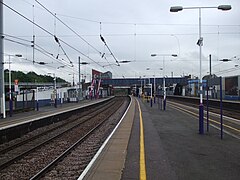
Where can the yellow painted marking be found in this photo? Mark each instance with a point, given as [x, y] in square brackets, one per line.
[230, 127]
[142, 174]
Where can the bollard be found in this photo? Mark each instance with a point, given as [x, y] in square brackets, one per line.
[164, 104]
[207, 111]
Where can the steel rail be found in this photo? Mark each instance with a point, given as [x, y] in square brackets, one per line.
[11, 147]
[9, 162]
[71, 148]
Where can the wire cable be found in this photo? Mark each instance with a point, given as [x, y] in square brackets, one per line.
[46, 31]
[103, 40]
[142, 24]
[15, 37]
[68, 27]
[13, 41]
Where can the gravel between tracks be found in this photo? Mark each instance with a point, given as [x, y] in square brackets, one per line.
[32, 163]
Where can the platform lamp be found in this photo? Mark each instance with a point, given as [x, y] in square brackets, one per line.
[164, 81]
[10, 84]
[154, 82]
[79, 74]
[200, 44]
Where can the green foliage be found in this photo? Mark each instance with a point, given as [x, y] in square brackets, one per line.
[30, 77]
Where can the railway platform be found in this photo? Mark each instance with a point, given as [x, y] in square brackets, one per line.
[155, 144]
[150, 143]
[47, 111]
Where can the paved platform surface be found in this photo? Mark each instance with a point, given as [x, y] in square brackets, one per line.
[110, 163]
[175, 150]
[173, 147]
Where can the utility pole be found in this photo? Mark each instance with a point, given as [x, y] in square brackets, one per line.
[79, 77]
[210, 65]
[2, 88]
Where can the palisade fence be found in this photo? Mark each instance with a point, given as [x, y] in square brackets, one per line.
[26, 101]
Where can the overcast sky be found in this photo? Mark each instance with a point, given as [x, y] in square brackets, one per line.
[132, 29]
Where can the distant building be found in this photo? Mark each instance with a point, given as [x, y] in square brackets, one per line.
[99, 75]
[106, 75]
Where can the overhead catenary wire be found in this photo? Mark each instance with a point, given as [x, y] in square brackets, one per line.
[17, 42]
[68, 27]
[104, 54]
[143, 34]
[142, 24]
[56, 39]
[46, 31]
[62, 61]
[39, 49]
[103, 40]
[86, 38]
[15, 37]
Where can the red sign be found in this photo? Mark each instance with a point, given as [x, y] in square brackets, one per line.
[95, 74]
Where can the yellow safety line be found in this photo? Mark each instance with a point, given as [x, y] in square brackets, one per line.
[230, 127]
[142, 151]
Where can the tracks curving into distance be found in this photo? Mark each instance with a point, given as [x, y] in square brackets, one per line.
[45, 151]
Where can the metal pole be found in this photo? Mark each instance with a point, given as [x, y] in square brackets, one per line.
[207, 108]
[10, 89]
[210, 65]
[55, 89]
[79, 77]
[33, 46]
[73, 80]
[151, 95]
[221, 112]
[37, 99]
[154, 89]
[164, 88]
[141, 88]
[201, 108]
[2, 88]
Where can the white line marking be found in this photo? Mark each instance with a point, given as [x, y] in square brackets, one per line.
[103, 145]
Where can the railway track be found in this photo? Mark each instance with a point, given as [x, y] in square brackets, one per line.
[22, 141]
[36, 156]
[231, 125]
[230, 109]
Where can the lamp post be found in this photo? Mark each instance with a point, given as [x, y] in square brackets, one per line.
[164, 83]
[10, 84]
[79, 75]
[2, 88]
[200, 44]
[154, 83]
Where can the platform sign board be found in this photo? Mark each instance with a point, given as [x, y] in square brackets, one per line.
[16, 89]
[213, 81]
